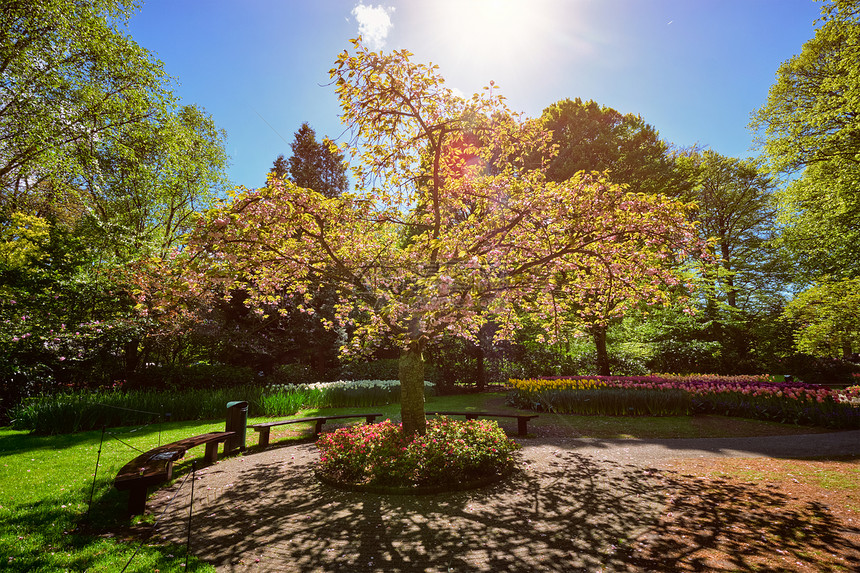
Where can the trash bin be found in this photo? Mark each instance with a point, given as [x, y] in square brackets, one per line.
[237, 421]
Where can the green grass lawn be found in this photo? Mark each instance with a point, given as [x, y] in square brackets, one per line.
[45, 481]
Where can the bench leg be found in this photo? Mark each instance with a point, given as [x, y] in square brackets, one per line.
[522, 426]
[211, 455]
[264, 437]
[470, 417]
[369, 419]
[318, 427]
[137, 500]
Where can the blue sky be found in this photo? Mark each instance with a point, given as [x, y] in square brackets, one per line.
[694, 69]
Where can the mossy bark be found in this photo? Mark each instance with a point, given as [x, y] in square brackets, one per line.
[411, 370]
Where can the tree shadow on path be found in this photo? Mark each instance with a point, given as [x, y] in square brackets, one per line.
[562, 511]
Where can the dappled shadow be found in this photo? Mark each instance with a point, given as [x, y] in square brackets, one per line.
[58, 533]
[726, 525]
[563, 511]
[22, 442]
[787, 447]
[19, 443]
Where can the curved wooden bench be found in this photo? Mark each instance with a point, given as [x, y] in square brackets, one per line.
[156, 466]
[265, 427]
[522, 419]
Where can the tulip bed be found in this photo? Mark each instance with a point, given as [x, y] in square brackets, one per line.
[757, 397]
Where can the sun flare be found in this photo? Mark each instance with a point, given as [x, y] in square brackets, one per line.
[488, 32]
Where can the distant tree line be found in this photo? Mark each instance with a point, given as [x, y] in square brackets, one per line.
[105, 183]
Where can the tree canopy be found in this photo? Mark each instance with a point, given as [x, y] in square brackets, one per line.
[99, 169]
[827, 318]
[810, 129]
[735, 208]
[450, 229]
[812, 114]
[69, 78]
[744, 284]
[317, 165]
[591, 137]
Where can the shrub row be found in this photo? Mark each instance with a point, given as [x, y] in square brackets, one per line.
[86, 410]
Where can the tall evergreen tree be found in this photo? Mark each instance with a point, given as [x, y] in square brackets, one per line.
[280, 168]
[314, 165]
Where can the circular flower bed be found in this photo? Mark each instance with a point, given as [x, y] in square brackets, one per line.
[450, 455]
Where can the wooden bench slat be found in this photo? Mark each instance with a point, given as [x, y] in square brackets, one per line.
[264, 428]
[156, 466]
[522, 419]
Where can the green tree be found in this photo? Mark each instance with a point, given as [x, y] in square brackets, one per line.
[69, 77]
[812, 113]
[315, 165]
[736, 211]
[827, 316]
[595, 138]
[818, 215]
[280, 168]
[93, 150]
[810, 125]
[320, 167]
[143, 189]
[591, 137]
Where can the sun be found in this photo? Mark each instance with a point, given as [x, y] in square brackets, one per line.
[488, 33]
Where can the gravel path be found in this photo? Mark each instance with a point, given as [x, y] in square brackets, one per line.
[576, 505]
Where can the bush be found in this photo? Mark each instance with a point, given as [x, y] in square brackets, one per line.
[816, 370]
[294, 374]
[385, 369]
[196, 377]
[67, 412]
[451, 453]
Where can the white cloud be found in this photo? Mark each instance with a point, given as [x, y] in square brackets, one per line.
[374, 23]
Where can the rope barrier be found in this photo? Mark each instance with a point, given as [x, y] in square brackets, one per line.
[157, 521]
[190, 512]
[95, 473]
[124, 443]
[127, 409]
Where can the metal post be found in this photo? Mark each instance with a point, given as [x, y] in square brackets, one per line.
[190, 511]
[166, 421]
[95, 473]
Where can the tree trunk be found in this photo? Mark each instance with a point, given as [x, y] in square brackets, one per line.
[132, 357]
[598, 333]
[481, 375]
[411, 370]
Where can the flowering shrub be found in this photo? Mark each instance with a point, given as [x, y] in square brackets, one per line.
[756, 397]
[850, 395]
[450, 453]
